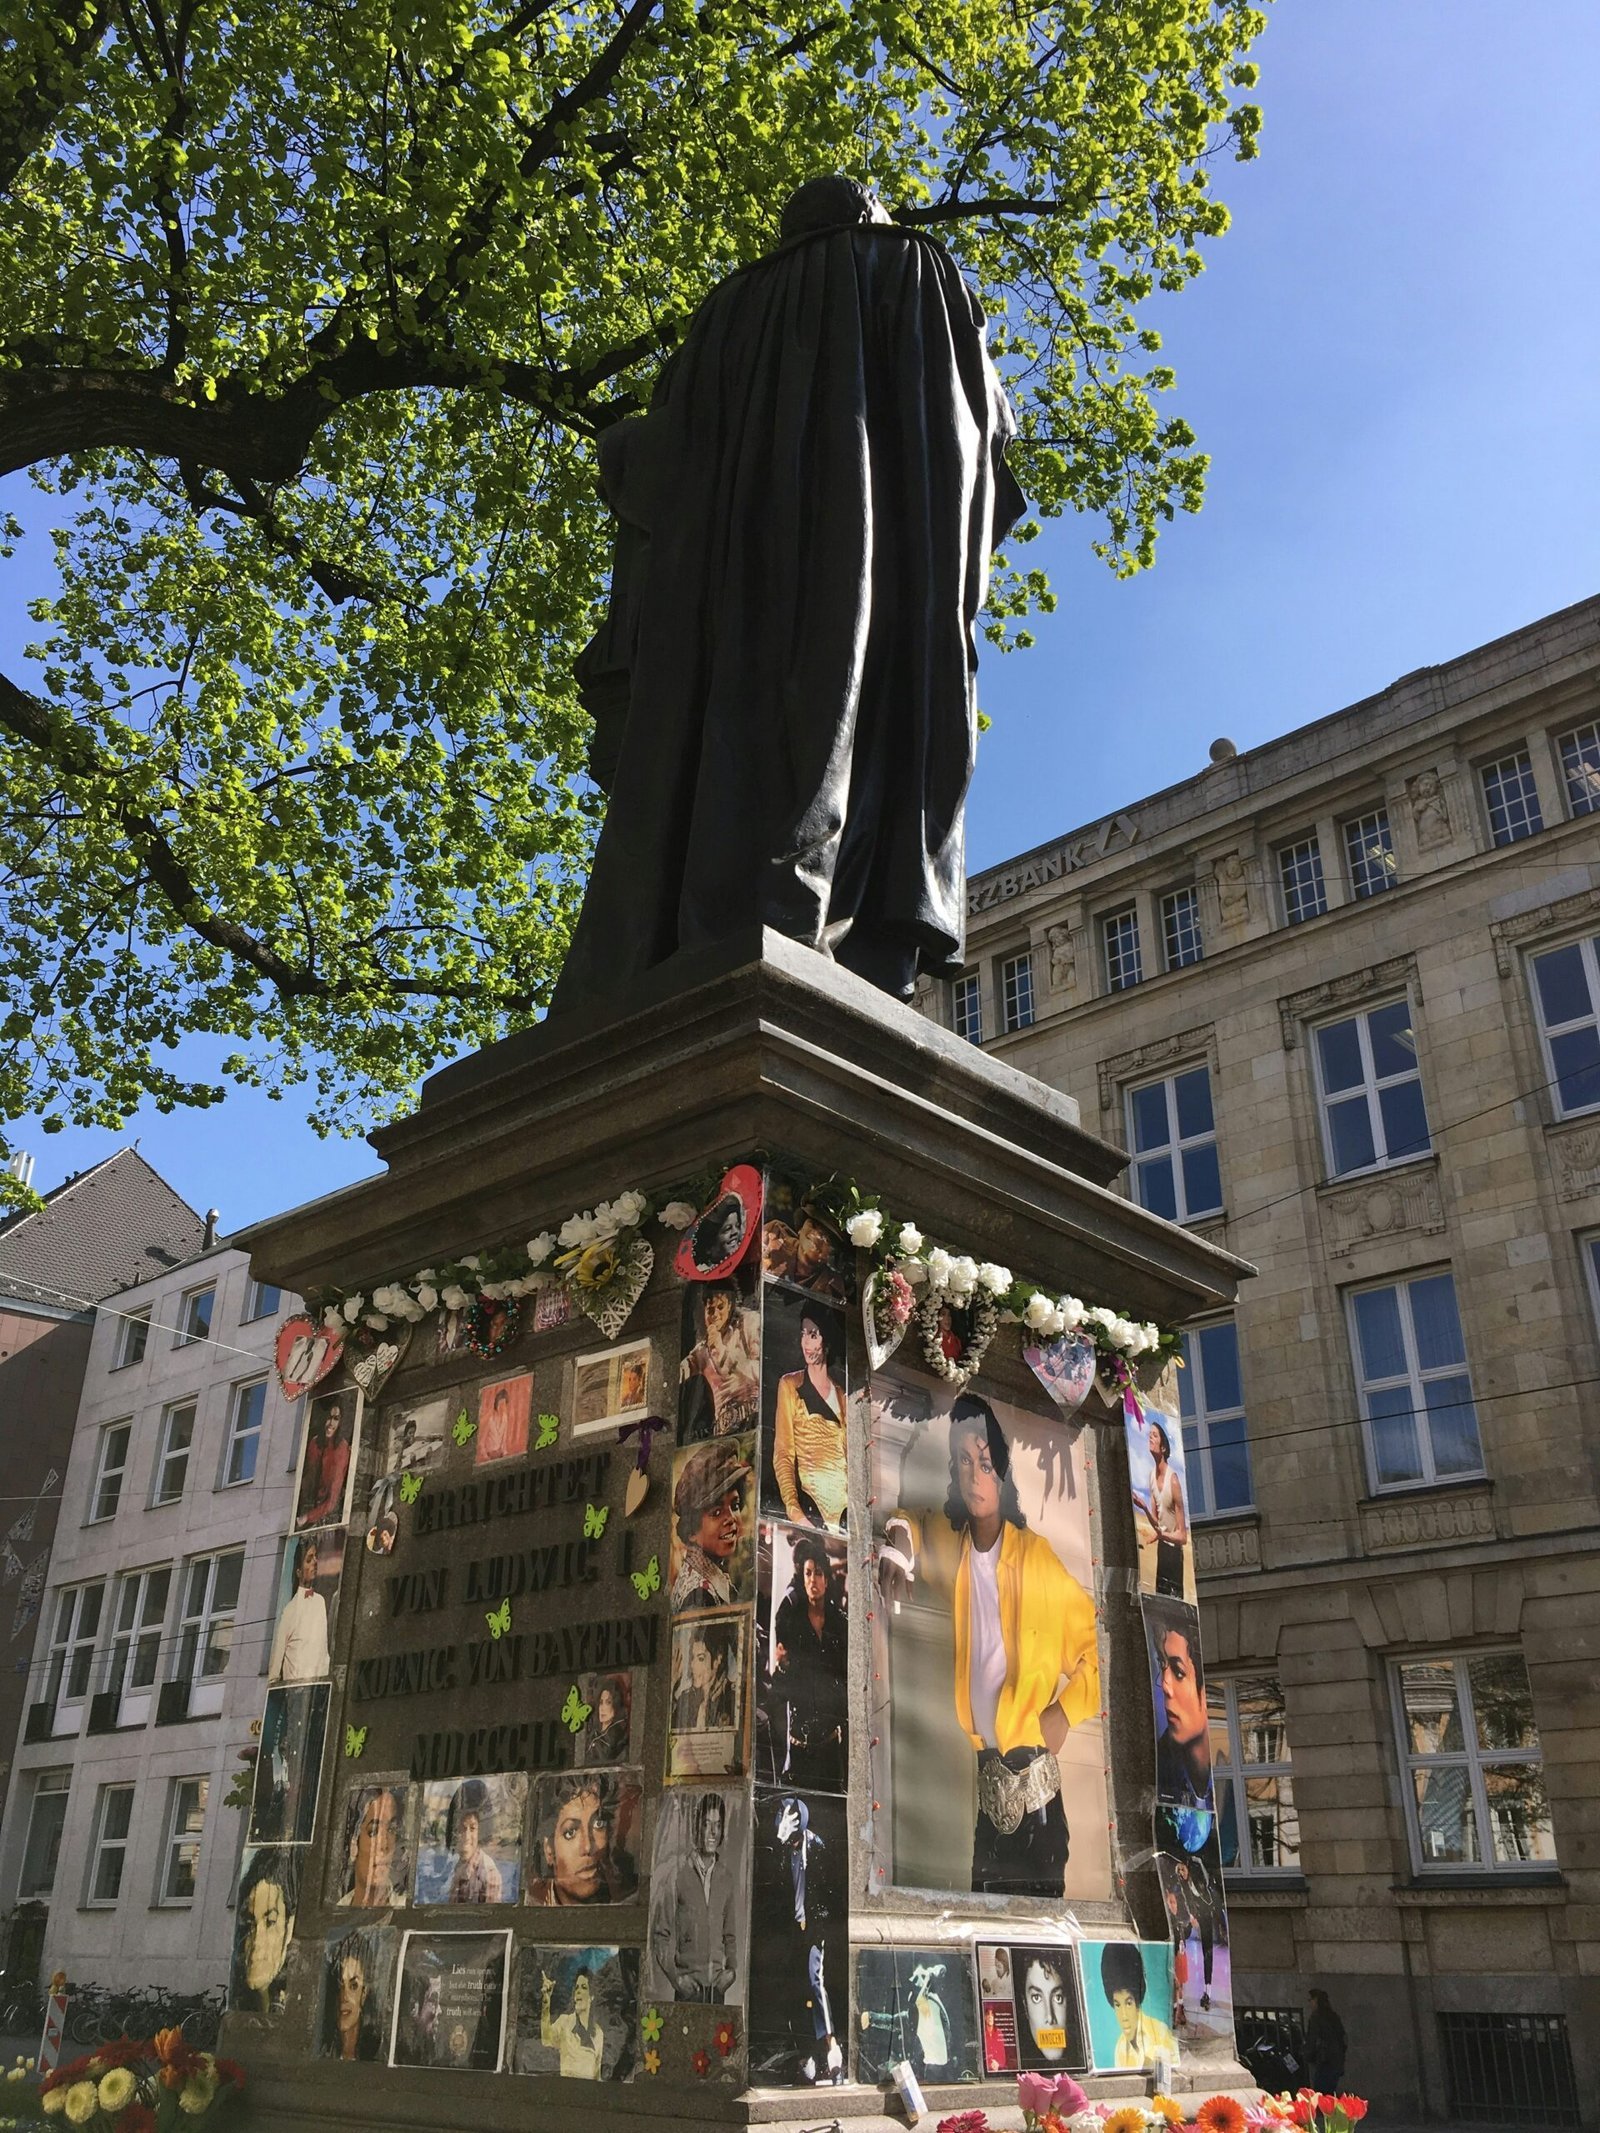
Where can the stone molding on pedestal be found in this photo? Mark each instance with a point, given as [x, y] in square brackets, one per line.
[1424, 1520]
[1379, 1204]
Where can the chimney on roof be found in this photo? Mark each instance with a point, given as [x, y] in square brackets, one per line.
[213, 1217]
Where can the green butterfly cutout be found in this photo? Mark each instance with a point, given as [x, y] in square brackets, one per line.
[549, 1430]
[647, 1580]
[573, 1712]
[500, 1621]
[594, 1522]
[355, 1739]
[462, 1430]
[410, 1487]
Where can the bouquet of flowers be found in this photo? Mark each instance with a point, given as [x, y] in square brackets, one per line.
[134, 2085]
[1055, 2106]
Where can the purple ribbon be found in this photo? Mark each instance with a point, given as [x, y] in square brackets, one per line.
[646, 1431]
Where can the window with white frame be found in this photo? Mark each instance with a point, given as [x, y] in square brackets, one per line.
[172, 1454]
[1416, 1393]
[194, 1315]
[246, 1408]
[47, 1817]
[135, 1652]
[72, 1642]
[1510, 797]
[262, 1299]
[108, 1855]
[1369, 853]
[1257, 1823]
[133, 1337]
[1016, 991]
[1305, 893]
[1173, 1134]
[1180, 928]
[1579, 751]
[1474, 1769]
[1370, 1089]
[180, 1850]
[1216, 1441]
[111, 1464]
[1119, 938]
[205, 1631]
[1566, 994]
[966, 1007]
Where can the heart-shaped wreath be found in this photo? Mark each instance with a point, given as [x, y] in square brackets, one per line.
[955, 1335]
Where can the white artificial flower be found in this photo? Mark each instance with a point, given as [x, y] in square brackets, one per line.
[353, 1308]
[910, 1238]
[1152, 1335]
[412, 1310]
[377, 1321]
[916, 1272]
[1055, 1323]
[963, 1276]
[865, 1229]
[629, 1208]
[938, 1263]
[605, 1221]
[1072, 1313]
[577, 1231]
[1098, 1315]
[427, 1295]
[996, 1279]
[454, 1297]
[472, 1260]
[426, 1273]
[540, 1247]
[333, 1318]
[678, 1214]
[1039, 1311]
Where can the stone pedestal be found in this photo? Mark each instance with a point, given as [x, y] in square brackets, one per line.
[766, 1052]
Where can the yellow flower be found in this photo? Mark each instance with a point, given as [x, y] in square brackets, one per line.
[197, 2094]
[1170, 2111]
[54, 2102]
[118, 2087]
[595, 1267]
[82, 2101]
[1128, 2120]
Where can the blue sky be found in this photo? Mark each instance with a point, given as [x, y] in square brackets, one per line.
[1392, 361]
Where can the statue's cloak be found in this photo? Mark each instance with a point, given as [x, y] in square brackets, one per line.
[784, 686]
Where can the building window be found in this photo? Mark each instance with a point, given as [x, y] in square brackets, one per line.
[1508, 2069]
[1416, 1394]
[194, 1315]
[1511, 798]
[1371, 1089]
[244, 1433]
[205, 1635]
[180, 1852]
[966, 1008]
[113, 1818]
[262, 1299]
[172, 1460]
[1119, 933]
[1580, 768]
[1305, 893]
[1180, 928]
[1174, 1138]
[1566, 991]
[136, 1642]
[1216, 1443]
[1474, 1771]
[1016, 991]
[1369, 852]
[110, 1465]
[47, 1817]
[133, 1337]
[72, 1642]
[1257, 1824]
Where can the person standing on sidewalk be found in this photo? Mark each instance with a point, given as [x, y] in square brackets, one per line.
[1325, 2044]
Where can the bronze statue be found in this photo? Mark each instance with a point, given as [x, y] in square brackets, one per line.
[783, 689]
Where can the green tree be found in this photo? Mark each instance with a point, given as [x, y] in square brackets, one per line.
[311, 314]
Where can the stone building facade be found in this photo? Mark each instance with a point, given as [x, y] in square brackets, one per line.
[1340, 998]
[147, 1675]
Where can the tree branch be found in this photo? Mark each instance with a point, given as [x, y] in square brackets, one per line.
[35, 87]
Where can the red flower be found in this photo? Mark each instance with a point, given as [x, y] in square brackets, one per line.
[1327, 2105]
[1354, 2108]
[122, 2051]
[964, 2122]
[724, 2038]
[64, 2076]
[701, 2062]
[1221, 2114]
[231, 2071]
[137, 2118]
